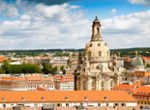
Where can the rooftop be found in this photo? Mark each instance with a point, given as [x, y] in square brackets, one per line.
[65, 96]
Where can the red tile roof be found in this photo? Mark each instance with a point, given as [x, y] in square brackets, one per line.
[128, 59]
[65, 96]
[2, 58]
[143, 89]
[146, 58]
[124, 87]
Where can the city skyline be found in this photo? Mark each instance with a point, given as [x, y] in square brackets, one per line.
[50, 24]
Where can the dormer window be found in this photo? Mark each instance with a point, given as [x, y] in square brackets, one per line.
[66, 98]
[23, 98]
[42, 98]
[86, 98]
[3, 99]
[106, 98]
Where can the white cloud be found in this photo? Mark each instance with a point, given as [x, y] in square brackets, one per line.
[145, 2]
[45, 27]
[128, 30]
[8, 9]
[61, 26]
[113, 11]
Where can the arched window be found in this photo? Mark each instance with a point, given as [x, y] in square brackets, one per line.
[107, 53]
[97, 30]
[100, 53]
[89, 54]
[102, 85]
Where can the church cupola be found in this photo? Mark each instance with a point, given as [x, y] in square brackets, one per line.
[96, 30]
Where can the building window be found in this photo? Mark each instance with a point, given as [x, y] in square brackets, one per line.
[97, 30]
[99, 104]
[89, 54]
[67, 104]
[99, 44]
[107, 53]
[4, 105]
[116, 104]
[90, 45]
[123, 104]
[58, 105]
[81, 104]
[100, 53]
[107, 104]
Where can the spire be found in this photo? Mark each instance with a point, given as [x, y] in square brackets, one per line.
[96, 19]
[136, 53]
[96, 30]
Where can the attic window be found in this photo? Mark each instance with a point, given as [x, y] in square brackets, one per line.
[42, 98]
[105, 98]
[23, 98]
[85, 98]
[3, 99]
[66, 98]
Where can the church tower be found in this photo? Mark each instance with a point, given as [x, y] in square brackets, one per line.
[96, 30]
[94, 72]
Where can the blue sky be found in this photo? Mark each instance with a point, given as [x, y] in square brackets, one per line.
[44, 24]
[102, 8]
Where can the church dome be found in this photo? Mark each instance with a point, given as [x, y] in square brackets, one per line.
[137, 63]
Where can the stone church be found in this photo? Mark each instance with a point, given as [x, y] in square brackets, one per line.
[96, 71]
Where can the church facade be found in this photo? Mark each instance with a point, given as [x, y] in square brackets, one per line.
[95, 71]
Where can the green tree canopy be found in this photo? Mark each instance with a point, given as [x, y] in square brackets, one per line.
[49, 68]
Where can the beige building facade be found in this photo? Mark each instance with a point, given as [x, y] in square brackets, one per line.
[95, 71]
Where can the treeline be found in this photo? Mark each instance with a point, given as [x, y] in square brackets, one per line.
[22, 68]
[22, 53]
[7, 68]
[132, 51]
[59, 52]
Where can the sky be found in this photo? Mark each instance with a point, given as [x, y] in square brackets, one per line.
[53, 24]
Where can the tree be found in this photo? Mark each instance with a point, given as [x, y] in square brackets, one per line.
[48, 68]
[62, 68]
[30, 68]
[23, 68]
[6, 67]
[148, 65]
[1, 71]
